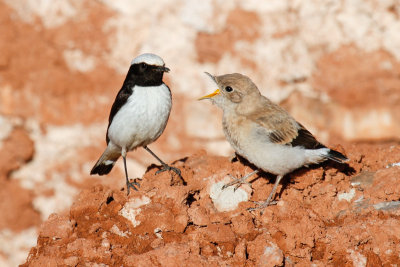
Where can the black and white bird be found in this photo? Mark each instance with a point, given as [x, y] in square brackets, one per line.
[138, 116]
[263, 132]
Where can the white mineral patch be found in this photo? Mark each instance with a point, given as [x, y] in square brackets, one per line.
[132, 208]
[227, 199]
[347, 196]
[273, 252]
[393, 165]
[358, 259]
[158, 233]
[115, 230]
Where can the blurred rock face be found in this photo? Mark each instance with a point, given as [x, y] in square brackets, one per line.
[334, 66]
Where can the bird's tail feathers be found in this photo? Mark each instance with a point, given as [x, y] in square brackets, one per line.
[106, 162]
[336, 156]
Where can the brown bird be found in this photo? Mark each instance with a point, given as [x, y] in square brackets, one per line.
[263, 132]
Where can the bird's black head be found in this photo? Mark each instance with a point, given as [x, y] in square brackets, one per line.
[146, 70]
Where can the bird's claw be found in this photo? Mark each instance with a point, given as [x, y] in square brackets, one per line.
[240, 184]
[130, 185]
[169, 168]
[238, 181]
[262, 204]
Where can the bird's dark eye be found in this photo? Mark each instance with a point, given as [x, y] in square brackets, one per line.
[228, 89]
[143, 65]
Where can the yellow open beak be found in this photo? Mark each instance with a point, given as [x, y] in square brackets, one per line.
[210, 95]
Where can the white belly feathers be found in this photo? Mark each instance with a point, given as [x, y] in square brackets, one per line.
[143, 117]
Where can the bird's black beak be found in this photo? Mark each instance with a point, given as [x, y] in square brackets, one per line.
[162, 69]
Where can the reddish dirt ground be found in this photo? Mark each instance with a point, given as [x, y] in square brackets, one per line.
[329, 215]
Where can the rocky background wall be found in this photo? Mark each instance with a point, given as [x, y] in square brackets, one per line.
[334, 65]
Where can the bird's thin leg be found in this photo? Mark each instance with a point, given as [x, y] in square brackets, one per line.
[240, 181]
[165, 167]
[128, 183]
[267, 202]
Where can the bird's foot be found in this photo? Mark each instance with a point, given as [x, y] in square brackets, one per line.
[166, 167]
[130, 185]
[262, 204]
[238, 181]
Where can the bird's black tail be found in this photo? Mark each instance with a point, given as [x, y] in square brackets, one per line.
[106, 162]
[101, 168]
[336, 156]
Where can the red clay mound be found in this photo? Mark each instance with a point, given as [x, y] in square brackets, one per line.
[326, 215]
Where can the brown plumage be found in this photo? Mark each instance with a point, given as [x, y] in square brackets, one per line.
[263, 132]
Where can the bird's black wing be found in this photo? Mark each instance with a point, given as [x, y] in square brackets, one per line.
[122, 96]
[305, 139]
[283, 129]
[280, 128]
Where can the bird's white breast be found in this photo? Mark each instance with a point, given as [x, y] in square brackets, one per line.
[143, 117]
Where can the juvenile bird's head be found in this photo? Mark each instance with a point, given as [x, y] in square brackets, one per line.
[147, 70]
[233, 89]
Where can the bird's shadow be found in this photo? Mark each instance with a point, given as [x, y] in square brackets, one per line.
[344, 168]
[155, 166]
[261, 173]
[151, 167]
